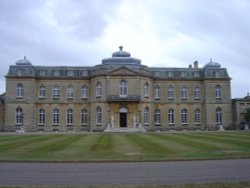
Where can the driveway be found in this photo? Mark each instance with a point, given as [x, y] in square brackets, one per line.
[181, 172]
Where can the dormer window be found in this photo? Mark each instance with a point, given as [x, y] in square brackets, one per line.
[157, 73]
[71, 73]
[56, 73]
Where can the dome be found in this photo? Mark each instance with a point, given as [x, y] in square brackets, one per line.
[212, 64]
[23, 61]
[121, 53]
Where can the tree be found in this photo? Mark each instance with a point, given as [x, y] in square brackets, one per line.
[247, 116]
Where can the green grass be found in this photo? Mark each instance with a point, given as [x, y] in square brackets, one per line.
[124, 147]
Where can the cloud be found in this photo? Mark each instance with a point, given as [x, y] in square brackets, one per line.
[171, 33]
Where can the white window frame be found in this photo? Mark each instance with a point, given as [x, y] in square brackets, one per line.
[123, 88]
[184, 116]
[146, 89]
[41, 116]
[98, 89]
[70, 117]
[197, 116]
[157, 117]
[56, 116]
[157, 91]
[56, 92]
[19, 90]
[171, 116]
[184, 93]
[98, 116]
[146, 115]
[218, 115]
[84, 117]
[19, 116]
[170, 92]
[42, 92]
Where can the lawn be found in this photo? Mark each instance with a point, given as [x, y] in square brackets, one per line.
[124, 147]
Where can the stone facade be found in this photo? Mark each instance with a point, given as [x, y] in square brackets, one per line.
[119, 91]
[240, 106]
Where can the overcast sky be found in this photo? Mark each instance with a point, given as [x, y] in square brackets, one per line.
[162, 33]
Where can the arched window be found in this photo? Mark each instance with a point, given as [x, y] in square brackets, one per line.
[98, 89]
[70, 92]
[157, 117]
[218, 116]
[123, 88]
[56, 92]
[42, 92]
[146, 89]
[157, 92]
[70, 117]
[98, 115]
[184, 116]
[171, 116]
[55, 117]
[84, 92]
[84, 117]
[41, 115]
[19, 90]
[218, 92]
[184, 93]
[197, 116]
[19, 116]
[146, 116]
[197, 93]
[170, 92]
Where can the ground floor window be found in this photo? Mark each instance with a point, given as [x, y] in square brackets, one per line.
[84, 117]
[157, 117]
[19, 116]
[41, 120]
[55, 117]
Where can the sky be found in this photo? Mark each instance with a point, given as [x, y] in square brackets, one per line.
[162, 33]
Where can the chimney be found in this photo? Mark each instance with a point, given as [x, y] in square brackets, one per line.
[196, 66]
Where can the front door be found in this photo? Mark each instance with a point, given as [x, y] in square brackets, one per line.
[123, 119]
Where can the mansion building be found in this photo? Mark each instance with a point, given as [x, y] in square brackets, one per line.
[118, 93]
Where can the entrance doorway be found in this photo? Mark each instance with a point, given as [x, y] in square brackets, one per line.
[123, 117]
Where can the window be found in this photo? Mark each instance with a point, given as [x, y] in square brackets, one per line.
[56, 92]
[146, 89]
[19, 116]
[197, 116]
[71, 73]
[170, 92]
[171, 116]
[184, 116]
[41, 115]
[157, 117]
[42, 92]
[70, 117]
[84, 92]
[55, 117]
[70, 92]
[218, 92]
[84, 117]
[98, 89]
[146, 115]
[197, 93]
[19, 91]
[56, 73]
[184, 93]
[123, 88]
[218, 116]
[157, 92]
[98, 116]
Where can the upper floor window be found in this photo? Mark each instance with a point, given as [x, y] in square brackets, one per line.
[70, 92]
[146, 115]
[171, 116]
[19, 91]
[98, 115]
[218, 92]
[197, 116]
[218, 115]
[157, 117]
[184, 116]
[157, 92]
[41, 115]
[146, 89]
[42, 92]
[84, 92]
[170, 92]
[70, 117]
[98, 89]
[56, 92]
[123, 88]
[184, 93]
[84, 117]
[197, 93]
[19, 116]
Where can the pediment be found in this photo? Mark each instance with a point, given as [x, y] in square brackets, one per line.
[123, 71]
